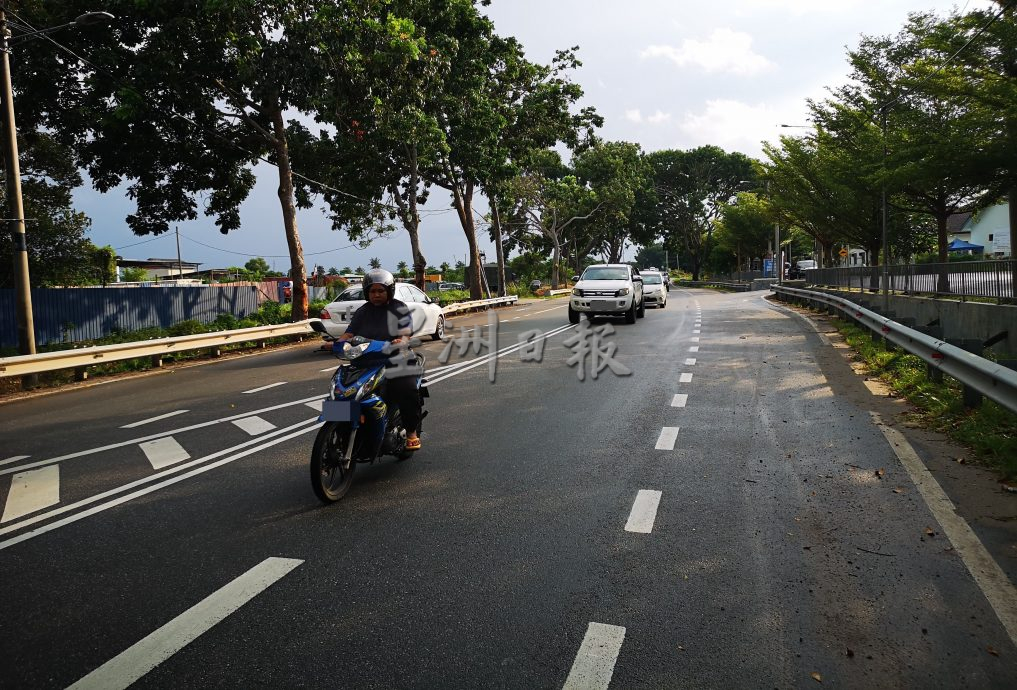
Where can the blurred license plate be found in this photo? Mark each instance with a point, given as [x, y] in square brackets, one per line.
[601, 304]
[340, 410]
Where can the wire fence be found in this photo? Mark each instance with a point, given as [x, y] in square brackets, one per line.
[993, 280]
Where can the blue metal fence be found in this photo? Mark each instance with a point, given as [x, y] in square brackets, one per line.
[75, 314]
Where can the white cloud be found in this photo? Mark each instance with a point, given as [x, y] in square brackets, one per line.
[633, 116]
[724, 51]
[733, 125]
[659, 118]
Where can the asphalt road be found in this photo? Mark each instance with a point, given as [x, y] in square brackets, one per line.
[552, 532]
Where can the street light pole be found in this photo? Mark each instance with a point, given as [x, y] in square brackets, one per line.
[15, 206]
[886, 280]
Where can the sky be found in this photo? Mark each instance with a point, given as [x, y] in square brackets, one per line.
[666, 74]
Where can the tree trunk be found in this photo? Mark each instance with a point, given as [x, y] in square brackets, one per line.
[412, 222]
[555, 263]
[462, 198]
[502, 287]
[1011, 198]
[289, 211]
[943, 283]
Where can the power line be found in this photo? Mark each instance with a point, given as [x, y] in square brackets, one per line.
[253, 156]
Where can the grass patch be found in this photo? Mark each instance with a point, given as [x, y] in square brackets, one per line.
[990, 430]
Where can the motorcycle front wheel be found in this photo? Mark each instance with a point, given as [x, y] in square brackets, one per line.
[329, 479]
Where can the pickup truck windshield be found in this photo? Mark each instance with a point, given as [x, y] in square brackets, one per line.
[605, 273]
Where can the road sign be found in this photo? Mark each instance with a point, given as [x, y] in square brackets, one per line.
[843, 252]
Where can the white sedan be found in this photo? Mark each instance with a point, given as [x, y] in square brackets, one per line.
[428, 318]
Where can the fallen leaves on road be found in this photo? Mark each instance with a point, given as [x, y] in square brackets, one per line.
[929, 532]
[992, 650]
[816, 677]
[880, 472]
[898, 490]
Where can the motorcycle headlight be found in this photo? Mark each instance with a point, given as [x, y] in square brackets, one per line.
[577, 292]
[621, 293]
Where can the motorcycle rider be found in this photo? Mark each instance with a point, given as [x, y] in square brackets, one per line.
[386, 318]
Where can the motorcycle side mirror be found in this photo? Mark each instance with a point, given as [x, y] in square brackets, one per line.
[575, 279]
[319, 327]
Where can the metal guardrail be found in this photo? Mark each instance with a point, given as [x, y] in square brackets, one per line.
[991, 379]
[79, 358]
[737, 287]
[479, 304]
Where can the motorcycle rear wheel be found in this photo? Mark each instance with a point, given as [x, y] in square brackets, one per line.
[328, 478]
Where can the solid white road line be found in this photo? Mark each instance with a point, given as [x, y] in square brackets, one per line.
[479, 361]
[330, 370]
[694, 348]
[141, 439]
[32, 491]
[164, 451]
[685, 378]
[264, 388]
[690, 362]
[14, 458]
[644, 512]
[668, 437]
[254, 425]
[238, 451]
[594, 664]
[154, 419]
[127, 667]
[991, 579]
[679, 400]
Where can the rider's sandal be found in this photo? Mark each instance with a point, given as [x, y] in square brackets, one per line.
[413, 443]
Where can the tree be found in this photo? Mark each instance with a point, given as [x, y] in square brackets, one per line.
[333, 271]
[744, 228]
[257, 267]
[134, 275]
[59, 254]
[690, 188]
[403, 268]
[201, 95]
[375, 263]
[934, 161]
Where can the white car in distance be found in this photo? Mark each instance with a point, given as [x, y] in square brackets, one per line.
[428, 318]
[654, 289]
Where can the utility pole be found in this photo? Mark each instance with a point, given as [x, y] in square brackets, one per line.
[180, 268]
[16, 209]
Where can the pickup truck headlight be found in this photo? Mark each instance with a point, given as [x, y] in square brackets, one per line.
[577, 292]
[621, 293]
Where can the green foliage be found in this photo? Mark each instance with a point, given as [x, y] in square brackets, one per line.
[187, 327]
[133, 274]
[989, 430]
[257, 268]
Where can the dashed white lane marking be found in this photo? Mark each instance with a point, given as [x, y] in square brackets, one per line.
[14, 458]
[694, 339]
[694, 348]
[264, 388]
[254, 425]
[644, 512]
[594, 664]
[130, 665]
[316, 405]
[547, 310]
[690, 362]
[163, 452]
[679, 400]
[32, 491]
[322, 371]
[991, 579]
[668, 437]
[154, 419]
[696, 331]
[685, 378]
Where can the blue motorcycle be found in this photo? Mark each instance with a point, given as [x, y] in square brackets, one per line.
[359, 427]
